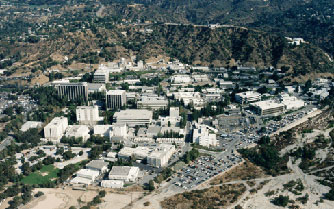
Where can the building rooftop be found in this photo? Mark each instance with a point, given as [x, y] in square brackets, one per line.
[115, 92]
[31, 124]
[97, 164]
[267, 104]
[121, 170]
[88, 172]
[57, 121]
[134, 114]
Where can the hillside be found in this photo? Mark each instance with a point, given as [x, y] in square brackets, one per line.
[312, 20]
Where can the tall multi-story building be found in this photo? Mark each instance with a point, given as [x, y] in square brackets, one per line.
[88, 115]
[115, 99]
[72, 91]
[55, 129]
[204, 135]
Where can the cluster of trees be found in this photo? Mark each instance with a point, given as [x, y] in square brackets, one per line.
[281, 201]
[46, 96]
[68, 155]
[266, 155]
[14, 190]
[54, 76]
[15, 124]
[31, 136]
[71, 140]
[191, 155]
[165, 174]
[211, 109]
[69, 170]
[87, 77]
[306, 153]
[151, 82]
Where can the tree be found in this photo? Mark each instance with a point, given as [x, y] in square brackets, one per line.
[26, 169]
[308, 85]
[281, 201]
[102, 193]
[9, 111]
[151, 186]
[68, 155]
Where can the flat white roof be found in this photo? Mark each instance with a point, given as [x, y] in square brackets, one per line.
[134, 114]
[115, 92]
[88, 172]
[269, 104]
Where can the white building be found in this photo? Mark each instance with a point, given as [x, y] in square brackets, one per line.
[124, 173]
[88, 115]
[212, 94]
[88, 174]
[115, 184]
[55, 129]
[247, 97]
[98, 165]
[291, 102]
[179, 141]
[102, 130]
[200, 78]
[139, 153]
[204, 136]
[101, 76]
[226, 84]
[31, 124]
[78, 131]
[96, 87]
[152, 102]
[119, 129]
[111, 67]
[268, 107]
[159, 157]
[181, 79]
[133, 117]
[190, 97]
[173, 119]
[115, 99]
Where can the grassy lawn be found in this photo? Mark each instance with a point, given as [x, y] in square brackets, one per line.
[42, 176]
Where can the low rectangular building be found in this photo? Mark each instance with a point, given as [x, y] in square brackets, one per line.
[124, 173]
[31, 124]
[115, 184]
[102, 130]
[78, 131]
[133, 117]
[88, 174]
[268, 107]
[247, 97]
[154, 102]
[98, 165]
